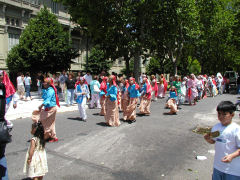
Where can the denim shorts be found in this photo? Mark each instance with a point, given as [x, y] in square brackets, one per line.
[218, 175]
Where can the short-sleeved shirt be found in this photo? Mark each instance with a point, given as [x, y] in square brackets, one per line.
[225, 144]
[20, 81]
[27, 80]
[177, 86]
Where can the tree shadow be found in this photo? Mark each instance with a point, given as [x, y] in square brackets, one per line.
[75, 119]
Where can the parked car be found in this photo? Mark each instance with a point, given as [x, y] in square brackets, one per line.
[231, 81]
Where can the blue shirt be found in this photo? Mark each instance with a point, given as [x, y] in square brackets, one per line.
[49, 98]
[133, 92]
[80, 89]
[173, 94]
[92, 84]
[112, 92]
[144, 89]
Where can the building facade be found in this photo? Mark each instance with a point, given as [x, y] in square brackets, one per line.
[14, 17]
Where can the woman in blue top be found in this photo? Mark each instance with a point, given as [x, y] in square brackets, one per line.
[48, 114]
[112, 113]
[133, 92]
[82, 95]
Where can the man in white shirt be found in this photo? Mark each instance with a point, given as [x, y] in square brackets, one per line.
[20, 85]
[88, 77]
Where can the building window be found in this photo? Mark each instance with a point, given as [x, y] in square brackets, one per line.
[17, 23]
[76, 46]
[54, 7]
[36, 2]
[12, 22]
[13, 39]
[7, 21]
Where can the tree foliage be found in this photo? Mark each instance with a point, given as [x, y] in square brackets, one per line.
[168, 30]
[43, 46]
[97, 62]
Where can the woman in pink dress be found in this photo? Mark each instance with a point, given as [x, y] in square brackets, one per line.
[192, 89]
[145, 98]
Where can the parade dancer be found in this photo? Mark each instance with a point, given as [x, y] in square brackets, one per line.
[125, 99]
[133, 91]
[192, 89]
[112, 113]
[172, 101]
[82, 94]
[154, 88]
[145, 98]
[48, 114]
[161, 90]
[11, 95]
[103, 89]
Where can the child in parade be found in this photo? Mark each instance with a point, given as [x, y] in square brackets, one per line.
[82, 95]
[133, 92]
[35, 165]
[95, 90]
[177, 85]
[183, 91]
[103, 92]
[112, 112]
[146, 96]
[161, 90]
[172, 101]
[200, 87]
[227, 144]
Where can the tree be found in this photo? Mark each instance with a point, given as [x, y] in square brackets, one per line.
[43, 46]
[154, 67]
[176, 26]
[97, 61]
[121, 28]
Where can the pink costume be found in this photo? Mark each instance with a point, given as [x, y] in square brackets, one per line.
[125, 99]
[161, 90]
[154, 89]
[144, 107]
[103, 88]
[192, 89]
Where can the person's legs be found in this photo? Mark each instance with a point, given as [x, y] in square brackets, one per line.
[80, 110]
[84, 115]
[72, 96]
[3, 168]
[68, 96]
[98, 101]
[92, 101]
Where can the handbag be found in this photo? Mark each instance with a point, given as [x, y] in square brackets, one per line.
[5, 137]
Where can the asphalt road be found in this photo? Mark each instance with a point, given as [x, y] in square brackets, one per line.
[155, 147]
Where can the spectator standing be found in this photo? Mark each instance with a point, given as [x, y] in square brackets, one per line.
[20, 85]
[88, 78]
[55, 79]
[70, 83]
[95, 90]
[62, 79]
[40, 80]
[28, 82]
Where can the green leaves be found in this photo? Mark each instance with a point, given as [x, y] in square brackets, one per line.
[43, 46]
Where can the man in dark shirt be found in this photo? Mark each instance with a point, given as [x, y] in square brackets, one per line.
[70, 83]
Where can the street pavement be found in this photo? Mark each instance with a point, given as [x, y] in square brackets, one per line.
[155, 147]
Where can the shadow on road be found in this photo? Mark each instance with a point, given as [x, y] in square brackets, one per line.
[75, 119]
[102, 124]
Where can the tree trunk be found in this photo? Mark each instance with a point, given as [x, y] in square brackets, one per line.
[175, 67]
[127, 60]
[136, 66]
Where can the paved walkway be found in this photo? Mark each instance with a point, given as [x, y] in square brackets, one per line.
[25, 108]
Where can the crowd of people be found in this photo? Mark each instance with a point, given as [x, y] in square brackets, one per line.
[110, 94]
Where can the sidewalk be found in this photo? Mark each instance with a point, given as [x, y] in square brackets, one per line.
[25, 108]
